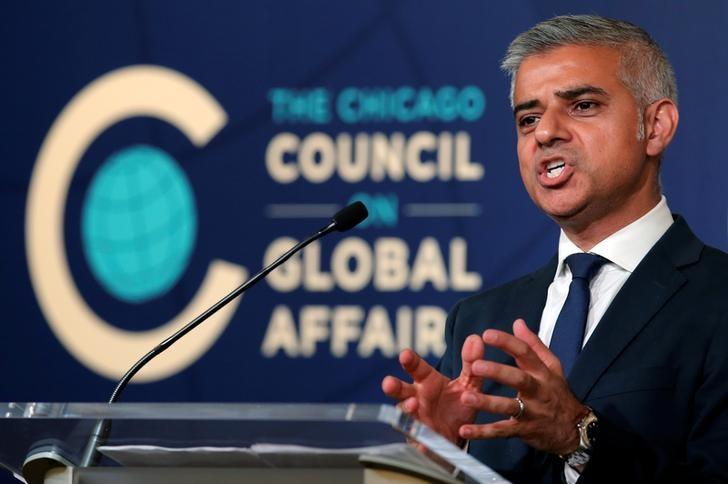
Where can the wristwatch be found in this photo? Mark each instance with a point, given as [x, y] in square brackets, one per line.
[588, 428]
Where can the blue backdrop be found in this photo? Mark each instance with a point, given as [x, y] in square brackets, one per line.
[157, 152]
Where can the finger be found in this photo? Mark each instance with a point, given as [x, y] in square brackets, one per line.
[519, 350]
[522, 332]
[410, 405]
[499, 429]
[472, 351]
[508, 375]
[415, 366]
[491, 403]
[397, 389]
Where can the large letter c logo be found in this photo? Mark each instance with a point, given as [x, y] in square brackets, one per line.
[105, 349]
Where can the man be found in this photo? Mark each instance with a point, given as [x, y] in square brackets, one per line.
[615, 368]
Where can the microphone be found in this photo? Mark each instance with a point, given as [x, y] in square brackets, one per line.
[350, 216]
[345, 219]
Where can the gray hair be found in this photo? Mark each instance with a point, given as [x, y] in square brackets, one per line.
[644, 68]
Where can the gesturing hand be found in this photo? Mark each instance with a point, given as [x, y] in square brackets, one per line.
[433, 398]
[552, 411]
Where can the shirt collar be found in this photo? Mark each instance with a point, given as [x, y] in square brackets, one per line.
[627, 246]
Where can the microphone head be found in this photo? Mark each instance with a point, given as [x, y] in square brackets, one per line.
[350, 216]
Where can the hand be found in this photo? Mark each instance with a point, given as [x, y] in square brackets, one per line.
[433, 398]
[552, 411]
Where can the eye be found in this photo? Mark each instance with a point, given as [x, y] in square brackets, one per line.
[527, 121]
[584, 106]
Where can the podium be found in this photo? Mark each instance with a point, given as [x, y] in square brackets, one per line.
[225, 443]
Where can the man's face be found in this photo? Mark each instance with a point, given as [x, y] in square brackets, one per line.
[578, 148]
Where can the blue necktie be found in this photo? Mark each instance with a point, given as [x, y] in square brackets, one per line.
[569, 331]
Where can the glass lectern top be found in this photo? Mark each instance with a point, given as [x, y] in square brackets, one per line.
[65, 428]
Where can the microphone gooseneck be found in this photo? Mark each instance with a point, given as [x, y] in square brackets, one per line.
[343, 220]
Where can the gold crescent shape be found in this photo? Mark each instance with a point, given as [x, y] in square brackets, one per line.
[142, 90]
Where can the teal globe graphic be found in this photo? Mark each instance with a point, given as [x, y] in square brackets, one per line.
[139, 223]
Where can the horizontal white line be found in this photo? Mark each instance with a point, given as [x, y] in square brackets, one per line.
[301, 210]
[441, 209]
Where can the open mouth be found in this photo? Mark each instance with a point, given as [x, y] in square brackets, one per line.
[554, 168]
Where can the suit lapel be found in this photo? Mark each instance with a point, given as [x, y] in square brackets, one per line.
[530, 298]
[526, 301]
[647, 290]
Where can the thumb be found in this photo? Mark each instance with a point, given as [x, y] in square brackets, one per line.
[473, 350]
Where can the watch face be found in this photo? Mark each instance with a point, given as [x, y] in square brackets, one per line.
[592, 429]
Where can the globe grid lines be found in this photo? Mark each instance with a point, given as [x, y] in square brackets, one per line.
[139, 223]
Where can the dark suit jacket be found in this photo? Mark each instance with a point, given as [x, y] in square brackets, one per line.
[655, 370]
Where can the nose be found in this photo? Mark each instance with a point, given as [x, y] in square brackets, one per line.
[551, 128]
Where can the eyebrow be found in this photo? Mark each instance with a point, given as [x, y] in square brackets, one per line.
[526, 105]
[568, 94]
[571, 94]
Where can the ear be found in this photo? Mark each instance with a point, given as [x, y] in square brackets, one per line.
[661, 119]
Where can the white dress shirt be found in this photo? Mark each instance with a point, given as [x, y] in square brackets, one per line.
[624, 250]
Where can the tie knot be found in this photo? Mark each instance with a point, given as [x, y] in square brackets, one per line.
[584, 266]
